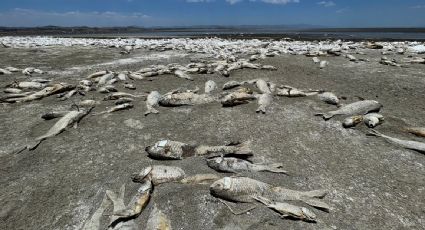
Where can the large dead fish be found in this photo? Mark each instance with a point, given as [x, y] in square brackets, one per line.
[241, 96]
[49, 90]
[152, 101]
[288, 210]
[245, 190]
[416, 131]
[179, 98]
[412, 145]
[235, 165]
[28, 85]
[356, 108]
[116, 222]
[159, 174]
[182, 74]
[174, 150]
[264, 101]
[158, 220]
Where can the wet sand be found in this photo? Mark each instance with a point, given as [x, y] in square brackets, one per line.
[372, 184]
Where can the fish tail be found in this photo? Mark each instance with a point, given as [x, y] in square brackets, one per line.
[316, 193]
[317, 204]
[276, 168]
[261, 109]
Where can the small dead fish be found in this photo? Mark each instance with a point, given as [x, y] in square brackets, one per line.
[263, 86]
[122, 76]
[210, 86]
[118, 95]
[88, 103]
[268, 67]
[235, 165]
[356, 108]
[241, 96]
[231, 85]
[29, 85]
[129, 86]
[12, 69]
[200, 179]
[179, 98]
[416, 131]
[182, 74]
[293, 92]
[264, 101]
[159, 174]
[97, 74]
[174, 150]
[412, 145]
[352, 121]
[3, 71]
[372, 120]
[157, 220]
[41, 80]
[69, 94]
[245, 190]
[316, 60]
[117, 108]
[329, 98]
[105, 78]
[47, 91]
[12, 90]
[351, 58]
[323, 64]
[28, 71]
[288, 210]
[152, 101]
[53, 115]
[123, 100]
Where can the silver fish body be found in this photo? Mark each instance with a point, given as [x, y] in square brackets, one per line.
[160, 174]
[412, 145]
[329, 98]
[185, 98]
[235, 165]
[356, 108]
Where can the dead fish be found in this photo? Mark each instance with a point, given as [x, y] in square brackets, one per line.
[329, 98]
[241, 96]
[50, 90]
[69, 94]
[264, 101]
[182, 74]
[41, 80]
[245, 190]
[352, 121]
[28, 71]
[351, 58]
[137, 203]
[316, 60]
[268, 67]
[86, 82]
[54, 114]
[262, 86]
[412, 145]
[174, 150]
[159, 174]
[116, 222]
[356, 108]
[97, 74]
[235, 165]
[416, 131]
[3, 71]
[122, 76]
[12, 97]
[158, 220]
[323, 64]
[123, 100]
[288, 210]
[231, 85]
[12, 69]
[210, 86]
[69, 119]
[372, 120]
[152, 101]
[118, 95]
[117, 108]
[129, 86]
[38, 71]
[179, 98]
[28, 85]
[88, 103]
[293, 92]
[12, 90]
[105, 78]
[94, 222]
[200, 179]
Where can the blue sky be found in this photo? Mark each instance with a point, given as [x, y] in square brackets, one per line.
[336, 13]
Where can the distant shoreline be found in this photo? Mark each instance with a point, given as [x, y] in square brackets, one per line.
[353, 34]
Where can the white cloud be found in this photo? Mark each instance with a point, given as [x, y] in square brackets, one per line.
[340, 11]
[29, 17]
[327, 3]
[418, 7]
[282, 2]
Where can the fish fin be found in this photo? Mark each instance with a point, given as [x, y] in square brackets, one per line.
[374, 133]
[263, 200]
[325, 116]
[318, 204]
[315, 193]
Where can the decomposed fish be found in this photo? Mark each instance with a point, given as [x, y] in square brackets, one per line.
[372, 120]
[117, 222]
[352, 121]
[235, 165]
[329, 98]
[174, 150]
[412, 145]
[288, 91]
[105, 78]
[416, 131]
[245, 190]
[288, 210]
[117, 108]
[158, 220]
[210, 86]
[159, 174]
[28, 85]
[152, 101]
[241, 96]
[136, 205]
[356, 108]
[264, 101]
[179, 98]
[129, 86]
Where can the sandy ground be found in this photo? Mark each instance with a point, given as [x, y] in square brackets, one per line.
[372, 184]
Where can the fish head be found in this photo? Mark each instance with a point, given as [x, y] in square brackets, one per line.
[352, 121]
[143, 175]
[372, 122]
[161, 151]
[308, 215]
[214, 162]
[221, 188]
